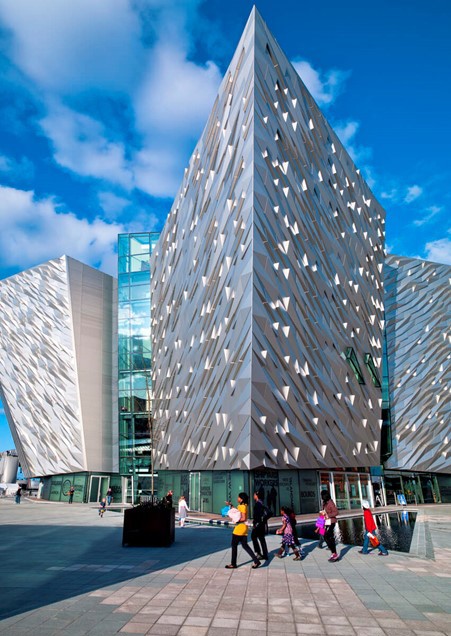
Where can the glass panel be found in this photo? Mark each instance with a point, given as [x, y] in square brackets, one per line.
[353, 489]
[94, 490]
[138, 278]
[138, 292]
[206, 487]
[372, 369]
[351, 357]
[219, 490]
[341, 494]
[123, 244]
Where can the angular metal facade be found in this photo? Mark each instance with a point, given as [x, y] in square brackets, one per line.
[418, 321]
[58, 370]
[268, 270]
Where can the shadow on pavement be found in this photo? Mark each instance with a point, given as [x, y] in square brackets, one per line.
[44, 564]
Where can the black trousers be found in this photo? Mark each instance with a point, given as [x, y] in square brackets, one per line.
[329, 538]
[236, 540]
[259, 541]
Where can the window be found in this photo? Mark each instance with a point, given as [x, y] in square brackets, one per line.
[351, 357]
[372, 369]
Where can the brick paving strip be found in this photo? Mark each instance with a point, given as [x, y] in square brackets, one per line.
[64, 572]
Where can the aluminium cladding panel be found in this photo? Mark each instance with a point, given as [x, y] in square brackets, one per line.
[92, 297]
[269, 195]
[38, 374]
[418, 301]
[202, 291]
[318, 253]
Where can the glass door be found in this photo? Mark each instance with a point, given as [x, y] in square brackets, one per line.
[194, 491]
[98, 488]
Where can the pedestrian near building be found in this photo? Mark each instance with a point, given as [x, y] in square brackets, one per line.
[71, 494]
[18, 495]
[109, 496]
[370, 531]
[259, 521]
[239, 535]
[102, 507]
[320, 528]
[287, 535]
[183, 510]
[330, 513]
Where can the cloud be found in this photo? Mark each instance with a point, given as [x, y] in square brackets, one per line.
[120, 93]
[431, 212]
[34, 231]
[172, 106]
[439, 251]
[413, 192]
[90, 45]
[112, 204]
[326, 86]
[16, 170]
[81, 144]
[347, 131]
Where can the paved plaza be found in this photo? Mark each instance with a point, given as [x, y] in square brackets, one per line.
[64, 571]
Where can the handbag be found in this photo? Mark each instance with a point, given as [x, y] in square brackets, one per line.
[374, 540]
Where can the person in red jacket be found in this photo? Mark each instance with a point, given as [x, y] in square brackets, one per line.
[370, 530]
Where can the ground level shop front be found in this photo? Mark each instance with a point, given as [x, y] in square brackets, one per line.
[206, 491]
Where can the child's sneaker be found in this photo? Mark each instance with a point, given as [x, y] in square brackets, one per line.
[334, 558]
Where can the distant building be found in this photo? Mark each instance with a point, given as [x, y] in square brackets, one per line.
[58, 375]
[9, 465]
[417, 311]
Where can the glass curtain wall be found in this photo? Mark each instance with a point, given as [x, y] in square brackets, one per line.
[135, 355]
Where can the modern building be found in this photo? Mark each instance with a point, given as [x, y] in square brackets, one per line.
[267, 300]
[58, 375]
[134, 363]
[263, 341]
[9, 465]
[417, 311]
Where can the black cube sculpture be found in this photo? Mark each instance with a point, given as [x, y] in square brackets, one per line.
[149, 525]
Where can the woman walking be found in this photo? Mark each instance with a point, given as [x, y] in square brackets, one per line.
[183, 509]
[239, 534]
[331, 512]
[370, 530]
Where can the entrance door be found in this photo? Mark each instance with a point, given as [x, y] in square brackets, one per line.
[194, 491]
[127, 490]
[98, 488]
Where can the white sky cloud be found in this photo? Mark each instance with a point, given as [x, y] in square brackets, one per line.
[80, 144]
[347, 132]
[324, 86]
[430, 213]
[439, 251]
[413, 192]
[34, 231]
[68, 48]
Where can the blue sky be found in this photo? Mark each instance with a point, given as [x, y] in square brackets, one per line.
[101, 104]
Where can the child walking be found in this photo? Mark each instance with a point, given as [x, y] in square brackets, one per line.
[102, 506]
[288, 540]
[183, 510]
[320, 528]
[370, 530]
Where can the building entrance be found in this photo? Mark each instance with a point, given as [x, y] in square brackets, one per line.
[98, 487]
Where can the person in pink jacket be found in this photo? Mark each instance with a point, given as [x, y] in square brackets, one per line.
[331, 512]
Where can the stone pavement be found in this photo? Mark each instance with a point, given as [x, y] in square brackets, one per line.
[64, 571]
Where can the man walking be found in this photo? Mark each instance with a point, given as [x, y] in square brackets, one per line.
[71, 494]
[259, 529]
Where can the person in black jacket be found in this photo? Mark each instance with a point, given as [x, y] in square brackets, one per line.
[259, 528]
